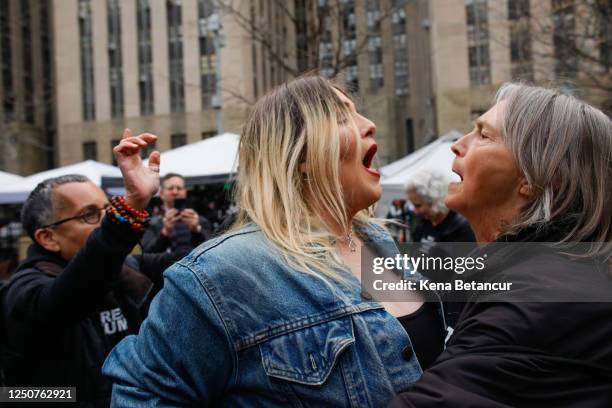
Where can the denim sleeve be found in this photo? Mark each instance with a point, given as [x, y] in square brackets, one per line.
[182, 355]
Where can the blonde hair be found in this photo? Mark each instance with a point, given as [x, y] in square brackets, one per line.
[296, 124]
[563, 147]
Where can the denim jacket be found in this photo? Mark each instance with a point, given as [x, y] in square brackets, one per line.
[235, 326]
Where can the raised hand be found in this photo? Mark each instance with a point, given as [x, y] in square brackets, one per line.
[141, 183]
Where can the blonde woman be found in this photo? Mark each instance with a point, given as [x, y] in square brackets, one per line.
[271, 313]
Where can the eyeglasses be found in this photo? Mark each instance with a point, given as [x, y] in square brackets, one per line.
[91, 216]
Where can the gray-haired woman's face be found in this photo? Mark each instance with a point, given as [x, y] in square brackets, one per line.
[490, 179]
[422, 207]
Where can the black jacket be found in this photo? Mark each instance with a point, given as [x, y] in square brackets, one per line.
[527, 354]
[154, 241]
[60, 319]
[453, 228]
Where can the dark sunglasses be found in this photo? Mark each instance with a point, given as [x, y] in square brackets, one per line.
[91, 216]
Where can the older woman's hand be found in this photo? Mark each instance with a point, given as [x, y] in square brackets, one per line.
[140, 182]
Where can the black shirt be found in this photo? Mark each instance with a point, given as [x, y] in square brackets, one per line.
[426, 335]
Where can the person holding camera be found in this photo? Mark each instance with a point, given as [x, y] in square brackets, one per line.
[176, 226]
[402, 212]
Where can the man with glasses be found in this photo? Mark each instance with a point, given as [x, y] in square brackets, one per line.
[176, 225]
[79, 291]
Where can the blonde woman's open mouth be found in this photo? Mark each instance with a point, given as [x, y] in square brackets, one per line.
[367, 160]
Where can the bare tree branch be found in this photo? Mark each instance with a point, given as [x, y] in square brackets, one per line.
[578, 38]
[314, 30]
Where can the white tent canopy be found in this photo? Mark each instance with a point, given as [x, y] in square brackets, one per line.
[8, 178]
[18, 191]
[208, 161]
[213, 156]
[434, 156]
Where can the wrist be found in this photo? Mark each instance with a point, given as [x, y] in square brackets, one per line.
[166, 232]
[122, 212]
[137, 203]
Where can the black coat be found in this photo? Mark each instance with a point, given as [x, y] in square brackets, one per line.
[453, 228]
[528, 354]
[61, 319]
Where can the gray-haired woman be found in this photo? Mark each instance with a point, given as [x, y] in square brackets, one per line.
[427, 192]
[537, 167]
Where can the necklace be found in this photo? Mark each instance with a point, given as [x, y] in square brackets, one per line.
[349, 241]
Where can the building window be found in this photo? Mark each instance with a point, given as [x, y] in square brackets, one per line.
[114, 58]
[87, 61]
[326, 48]
[148, 149]
[28, 72]
[520, 49]
[518, 9]
[8, 102]
[208, 133]
[400, 49]
[208, 59]
[178, 140]
[175, 56]
[520, 40]
[564, 39]
[349, 43]
[376, 76]
[520, 53]
[478, 42]
[47, 65]
[301, 25]
[605, 48]
[326, 55]
[47, 83]
[373, 15]
[145, 57]
[375, 55]
[114, 143]
[254, 75]
[90, 151]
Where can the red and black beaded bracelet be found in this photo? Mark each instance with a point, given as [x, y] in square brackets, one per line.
[119, 212]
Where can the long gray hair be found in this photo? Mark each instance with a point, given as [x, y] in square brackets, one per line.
[563, 147]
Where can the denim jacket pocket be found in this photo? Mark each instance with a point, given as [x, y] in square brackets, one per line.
[307, 356]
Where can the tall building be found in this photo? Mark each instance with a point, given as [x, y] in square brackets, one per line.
[75, 73]
[477, 45]
[144, 64]
[26, 86]
[378, 47]
[150, 65]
